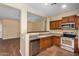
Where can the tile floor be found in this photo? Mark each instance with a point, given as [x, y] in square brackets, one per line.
[56, 51]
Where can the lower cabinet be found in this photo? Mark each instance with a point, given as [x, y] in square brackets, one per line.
[56, 40]
[39, 45]
[76, 46]
[45, 43]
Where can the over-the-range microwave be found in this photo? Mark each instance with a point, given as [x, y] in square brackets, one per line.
[68, 26]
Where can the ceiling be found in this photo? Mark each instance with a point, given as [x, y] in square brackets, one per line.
[55, 9]
[9, 12]
[49, 10]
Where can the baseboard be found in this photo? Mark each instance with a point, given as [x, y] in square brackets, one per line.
[11, 38]
[21, 53]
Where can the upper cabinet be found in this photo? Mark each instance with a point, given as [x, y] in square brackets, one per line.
[77, 22]
[52, 25]
[69, 19]
[55, 24]
[65, 20]
[72, 18]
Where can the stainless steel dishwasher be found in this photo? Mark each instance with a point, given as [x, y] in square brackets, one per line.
[34, 47]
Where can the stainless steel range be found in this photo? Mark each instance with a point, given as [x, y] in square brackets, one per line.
[67, 41]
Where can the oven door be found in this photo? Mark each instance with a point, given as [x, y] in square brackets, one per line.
[68, 42]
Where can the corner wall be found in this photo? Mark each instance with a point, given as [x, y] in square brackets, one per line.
[68, 13]
[0, 28]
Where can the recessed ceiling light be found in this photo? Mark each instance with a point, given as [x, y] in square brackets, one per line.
[45, 4]
[64, 6]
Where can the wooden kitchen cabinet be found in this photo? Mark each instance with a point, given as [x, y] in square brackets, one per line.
[59, 24]
[69, 19]
[52, 25]
[45, 43]
[52, 40]
[72, 18]
[55, 24]
[55, 40]
[77, 22]
[76, 46]
[65, 20]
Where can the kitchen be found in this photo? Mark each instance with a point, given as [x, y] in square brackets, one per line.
[61, 34]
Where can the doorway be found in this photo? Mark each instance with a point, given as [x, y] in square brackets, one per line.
[9, 31]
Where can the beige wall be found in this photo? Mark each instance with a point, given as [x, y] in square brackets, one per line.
[24, 40]
[0, 28]
[29, 26]
[68, 13]
[11, 28]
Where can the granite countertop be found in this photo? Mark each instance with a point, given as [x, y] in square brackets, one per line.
[33, 37]
[37, 35]
[37, 31]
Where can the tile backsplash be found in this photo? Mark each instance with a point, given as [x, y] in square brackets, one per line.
[61, 31]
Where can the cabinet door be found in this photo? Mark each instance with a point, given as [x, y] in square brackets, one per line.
[76, 46]
[72, 18]
[52, 25]
[52, 40]
[49, 41]
[69, 19]
[77, 22]
[56, 40]
[59, 24]
[55, 24]
[65, 20]
[45, 43]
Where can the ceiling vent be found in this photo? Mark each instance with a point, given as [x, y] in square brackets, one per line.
[53, 3]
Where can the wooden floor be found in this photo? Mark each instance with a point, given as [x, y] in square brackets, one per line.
[10, 47]
[56, 51]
